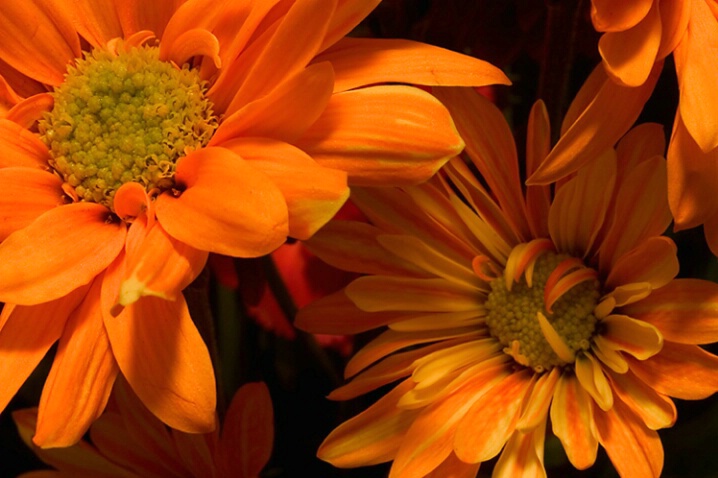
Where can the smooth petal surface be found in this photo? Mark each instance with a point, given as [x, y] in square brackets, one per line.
[617, 15]
[367, 61]
[685, 311]
[634, 450]
[165, 361]
[66, 247]
[348, 14]
[21, 147]
[26, 335]
[598, 126]
[657, 411]
[572, 421]
[365, 132]
[37, 39]
[313, 193]
[27, 193]
[371, 437]
[523, 455]
[653, 260]
[226, 207]
[247, 433]
[81, 377]
[629, 55]
[681, 371]
[698, 76]
[95, 20]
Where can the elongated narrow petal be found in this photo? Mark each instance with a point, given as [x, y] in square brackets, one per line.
[95, 20]
[67, 247]
[27, 193]
[656, 410]
[166, 362]
[27, 334]
[313, 193]
[41, 31]
[366, 132]
[523, 454]
[634, 450]
[653, 261]
[21, 147]
[572, 421]
[594, 381]
[452, 467]
[248, 432]
[366, 61]
[82, 374]
[348, 14]
[597, 126]
[226, 207]
[371, 437]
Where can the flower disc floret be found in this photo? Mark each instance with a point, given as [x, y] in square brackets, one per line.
[125, 117]
[513, 316]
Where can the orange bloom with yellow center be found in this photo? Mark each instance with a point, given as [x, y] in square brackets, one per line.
[505, 307]
[139, 137]
[129, 441]
[637, 36]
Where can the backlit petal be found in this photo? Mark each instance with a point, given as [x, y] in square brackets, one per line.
[64, 248]
[617, 15]
[365, 132]
[653, 261]
[226, 207]
[166, 362]
[366, 61]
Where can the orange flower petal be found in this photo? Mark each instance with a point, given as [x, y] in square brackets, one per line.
[138, 15]
[685, 311]
[367, 61]
[698, 76]
[81, 377]
[691, 179]
[365, 132]
[286, 112]
[28, 111]
[159, 266]
[629, 55]
[67, 247]
[38, 39]
[710, 229]
[27, 193]
[277, 54]
[165, 362]
[491, 420]
[226, 206]
[21, 147]
[640, 211]
[26, 335]
[596, 125]
[452, 467]
[653, 260]
[194, 42]
[247, 433]
[95, 20]
[195, 452]
[523, 455]
[538, 145]
[656, 410]
[537, 406]
[642, 142]
[572, 421]
[348, 14]
[371, 437]
[491, 147]
[579, 207]
[593, 380]
[638, 338]
[311, 201]
[634, 450]
[617, 15]
[681, 371]
[82, 459]
[674, 20]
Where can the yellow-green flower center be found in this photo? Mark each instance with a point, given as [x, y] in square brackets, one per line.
[125, 117]
[514, 317]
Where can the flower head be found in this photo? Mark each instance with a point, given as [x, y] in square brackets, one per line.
[503, 307]
[139, 137]
[129, 441]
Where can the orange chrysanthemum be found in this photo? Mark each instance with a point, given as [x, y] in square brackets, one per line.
[128, 441]
[506, 307]
[637, 36]
[137, 137]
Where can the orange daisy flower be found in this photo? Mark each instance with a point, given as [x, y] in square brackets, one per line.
[129, 441]
[139, 137]
[637, 36]
[503, 308]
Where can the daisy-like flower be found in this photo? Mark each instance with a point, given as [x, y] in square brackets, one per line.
[128, 441]
[505, 310]
[637, 36]
[137, 137]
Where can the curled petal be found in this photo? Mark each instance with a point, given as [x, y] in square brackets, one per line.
[195, 42]
[226, 206]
